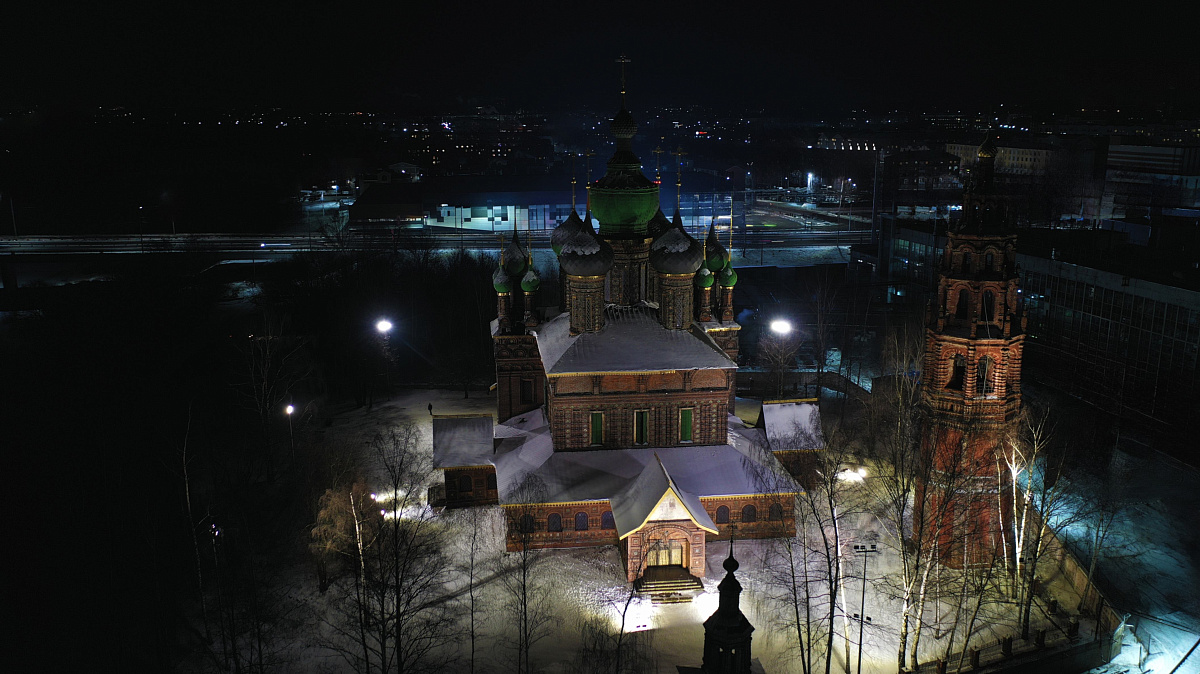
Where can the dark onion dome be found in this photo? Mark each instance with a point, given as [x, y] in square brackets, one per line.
[988, 149]
[500, 281]
[565, 229]
[530, 281]
[676, 253]
[704, 278]
[622, 125]
[513, 259]
[714, 253]
[657, 225]
[585, 254]
[728, 277]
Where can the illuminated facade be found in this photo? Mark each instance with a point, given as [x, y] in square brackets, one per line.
[615, 416]
[971, 388]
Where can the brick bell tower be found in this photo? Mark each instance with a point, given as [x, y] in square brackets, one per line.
[971, 388]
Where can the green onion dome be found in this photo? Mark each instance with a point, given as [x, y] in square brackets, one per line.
[624, 199]
[675, 251]
[514, 258]
[704, 278]
[585, 254]
[728, 277]
[500, 281]
[715, 254]
[530, 281]
[657, 225]
[565, 229]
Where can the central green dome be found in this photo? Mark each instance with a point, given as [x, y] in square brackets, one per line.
[624, 200]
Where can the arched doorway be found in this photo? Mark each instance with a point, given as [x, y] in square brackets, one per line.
[667, 552]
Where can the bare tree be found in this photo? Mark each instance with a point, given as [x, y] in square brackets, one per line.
[778, 354]
[826, 503]
[1098, 504]
[401, 619]
[894, 423]
[273, 364]
[475, 556]
[1028, 461]
[413, 571]
[528, 591]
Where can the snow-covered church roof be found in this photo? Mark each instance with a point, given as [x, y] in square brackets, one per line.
[654, 495]
[462, 440]
[792, 424]
[609, 350]
[526, 455]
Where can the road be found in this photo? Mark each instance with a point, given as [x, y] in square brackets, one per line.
[261, 246]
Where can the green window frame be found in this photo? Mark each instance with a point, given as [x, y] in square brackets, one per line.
[641, 427]
[685, 425]
[596, 428]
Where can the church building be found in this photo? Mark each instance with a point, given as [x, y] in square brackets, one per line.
[615, 417]
[971, 389]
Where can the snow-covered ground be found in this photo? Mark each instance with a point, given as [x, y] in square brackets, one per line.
[588, 584]
[1150, 567]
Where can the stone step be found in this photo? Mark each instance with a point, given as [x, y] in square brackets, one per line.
[670, 598]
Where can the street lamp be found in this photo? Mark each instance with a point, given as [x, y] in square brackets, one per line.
[780, 326]
[291, 438]
[384, 326]
[862, 617]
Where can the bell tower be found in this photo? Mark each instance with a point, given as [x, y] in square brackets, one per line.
[971, 381]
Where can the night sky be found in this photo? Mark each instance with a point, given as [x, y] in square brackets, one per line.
[424, 56]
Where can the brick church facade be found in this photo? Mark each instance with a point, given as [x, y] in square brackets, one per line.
[614, 416]
[971, 388]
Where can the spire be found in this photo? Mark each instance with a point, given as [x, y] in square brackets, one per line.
[623, 60]
[727, 632]
[678, 174]
[730, 250]
[658, 162]
[573, 158]
[587, 155]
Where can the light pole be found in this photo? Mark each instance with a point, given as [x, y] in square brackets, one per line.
[383, 326]
[291, 438]
[782, 331]
[862, 616]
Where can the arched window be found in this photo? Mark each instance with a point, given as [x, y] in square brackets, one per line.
[464, 483]
[987, 306]
[964, 304]
[607, 521]
[983, 377]
[554, 522]
[491, 480]
[749, 514]
[527, 524]
[959, 374]
[991, 261]
[966, 263]
[776, 513]
[581, 522]
[723, 515]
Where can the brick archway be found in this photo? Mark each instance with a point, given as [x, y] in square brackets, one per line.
[675, 543]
